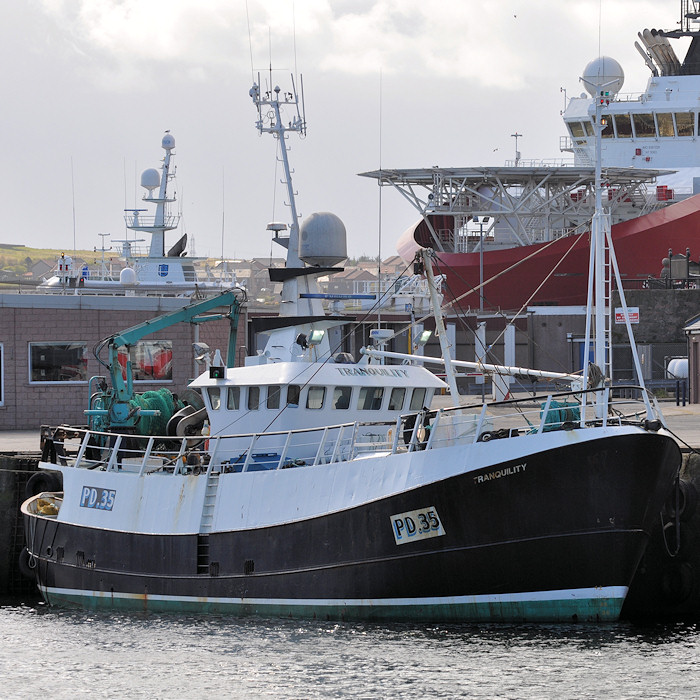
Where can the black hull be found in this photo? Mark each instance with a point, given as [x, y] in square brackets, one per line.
[558, 539]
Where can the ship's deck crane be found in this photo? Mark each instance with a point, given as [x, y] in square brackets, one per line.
[118, 406]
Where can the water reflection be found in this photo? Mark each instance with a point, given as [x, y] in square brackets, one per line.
[154, 655]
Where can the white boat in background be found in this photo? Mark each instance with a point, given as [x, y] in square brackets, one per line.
[151, 271]
[350, 500]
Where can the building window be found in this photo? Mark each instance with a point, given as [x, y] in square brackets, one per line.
[315, 396]
[58, 362]
[151, 360]
[2, 376]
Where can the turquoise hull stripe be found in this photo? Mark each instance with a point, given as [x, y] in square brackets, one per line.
[599, 604]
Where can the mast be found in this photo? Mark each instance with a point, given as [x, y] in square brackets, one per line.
[602, 265]
[161, 221]
[270, 105]
[440, 326]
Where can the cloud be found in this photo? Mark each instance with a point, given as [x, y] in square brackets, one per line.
[124, 42]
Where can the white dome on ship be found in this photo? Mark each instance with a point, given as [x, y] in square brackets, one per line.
[127, 277]
[150, 179]
[322, 239]
[168, 142]
[603, 73]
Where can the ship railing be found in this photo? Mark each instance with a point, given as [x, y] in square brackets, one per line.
[426, 430]
[137, 222]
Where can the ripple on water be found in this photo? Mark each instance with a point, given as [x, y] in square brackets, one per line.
[80, 654]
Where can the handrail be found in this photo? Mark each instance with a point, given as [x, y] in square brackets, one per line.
[455, 425]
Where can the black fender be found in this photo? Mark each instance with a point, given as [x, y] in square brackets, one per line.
[43, 481]
[27, 564]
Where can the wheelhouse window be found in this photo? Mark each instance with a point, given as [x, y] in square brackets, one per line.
[370, 398]
[315, 397]
[576, 129]
[398, 394]
[233, 398]
[253, 398]
[644, 126]
[589, 128]
[151, 360]
[293, 394]
[341, 397]
[273, 397]
[623, 126]
[58, 362]
[214, 393]
[685, 123]
[665, 122]
[417, 400]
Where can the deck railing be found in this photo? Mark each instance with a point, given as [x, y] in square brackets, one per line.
[426, 430]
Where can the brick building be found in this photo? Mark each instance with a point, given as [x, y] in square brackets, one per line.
[46, 351]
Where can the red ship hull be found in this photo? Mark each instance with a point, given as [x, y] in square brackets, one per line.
[640, 244]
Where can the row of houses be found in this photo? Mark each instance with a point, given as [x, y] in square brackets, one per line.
[356, 278]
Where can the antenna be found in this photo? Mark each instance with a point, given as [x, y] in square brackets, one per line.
[250, 42]
[516, 136]
[72, 184]
[379, 228]
[270, 121]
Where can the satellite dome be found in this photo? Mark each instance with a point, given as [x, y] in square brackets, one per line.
[322, 240]
[168, 142]
[127, 277]
[603, 73]
[150, 179]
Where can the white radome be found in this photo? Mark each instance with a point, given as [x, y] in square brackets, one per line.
[603, 73]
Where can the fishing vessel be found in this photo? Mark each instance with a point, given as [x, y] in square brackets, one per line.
[512, 511]
[515, 232]
[150, 271]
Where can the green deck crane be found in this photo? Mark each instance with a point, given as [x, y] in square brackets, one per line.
[118, 406]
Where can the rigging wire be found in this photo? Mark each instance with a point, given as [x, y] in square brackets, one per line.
[250, 42]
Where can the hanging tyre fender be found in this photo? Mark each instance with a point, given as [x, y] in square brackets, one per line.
[43, 481]
[27, 564]
[687, 500]
[677, 583]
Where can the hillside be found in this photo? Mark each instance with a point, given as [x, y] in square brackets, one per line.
[18, 259]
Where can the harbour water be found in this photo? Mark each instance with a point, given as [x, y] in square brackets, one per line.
[75, 654]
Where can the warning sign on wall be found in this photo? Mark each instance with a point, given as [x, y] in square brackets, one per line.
[633, 312]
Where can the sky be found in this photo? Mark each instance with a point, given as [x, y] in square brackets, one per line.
[90, 86]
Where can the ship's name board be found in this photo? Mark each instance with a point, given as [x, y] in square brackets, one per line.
[500, 473]
[97, 498]
[416, 525]
[372, 372]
